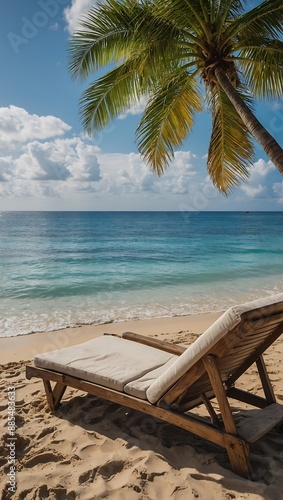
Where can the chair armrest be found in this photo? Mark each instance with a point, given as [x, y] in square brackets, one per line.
[158, 344]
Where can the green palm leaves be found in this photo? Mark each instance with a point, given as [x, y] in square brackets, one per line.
[173, 52]
[167, 119]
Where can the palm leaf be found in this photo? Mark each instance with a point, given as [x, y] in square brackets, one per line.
[117, 30]
[264, 20]
[109, 96]
[167, 120]
[262, 65]
[231, 149]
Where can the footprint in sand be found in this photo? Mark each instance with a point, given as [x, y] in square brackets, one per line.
[13, 374]
[43, 458]
[72, 460]
[150, 476]
[107, 470]
[38, 403]
[43, 492]
[23, 445]
[88, 476]
[48, 430]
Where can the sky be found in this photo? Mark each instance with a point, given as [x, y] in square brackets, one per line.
[48, 163]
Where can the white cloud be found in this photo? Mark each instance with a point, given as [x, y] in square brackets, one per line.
[75, 13]
[136, 109]
[5, 168]
[253, 191]
[128, 174]
[18, 126]
[39, 163]
[36, 162]
[254, 186]
[56, 160]
[278, 191]
[29, 189]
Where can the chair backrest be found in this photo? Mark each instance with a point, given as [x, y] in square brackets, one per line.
[233, 339]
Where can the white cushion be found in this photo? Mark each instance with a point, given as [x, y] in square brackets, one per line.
[204, 343]
[138, 387]
[108, 361]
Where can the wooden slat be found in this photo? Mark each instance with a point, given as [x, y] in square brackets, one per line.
[272, 321]
[265, 380]
[263, 316]
[219, 391]
[260, 350]
[262, 421]
[152, 342]
[246, 397]
[183, 383]
[250, 344]
[246, 347]
[189, 404]
[214, 418]
[266, 330]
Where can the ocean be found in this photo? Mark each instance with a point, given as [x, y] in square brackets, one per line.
[61, 269]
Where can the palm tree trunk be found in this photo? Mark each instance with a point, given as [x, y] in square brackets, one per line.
[268, 143]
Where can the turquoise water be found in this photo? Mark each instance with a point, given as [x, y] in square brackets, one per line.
[62, 269]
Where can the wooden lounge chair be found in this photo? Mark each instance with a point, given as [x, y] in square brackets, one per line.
[167, 381]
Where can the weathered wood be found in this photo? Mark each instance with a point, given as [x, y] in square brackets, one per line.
[183, 383]
[238, 452]
[58, 393]
[255, 355]
[211, 367]
[187, 422]
[49, 394]
[246, 397]
[214, 418]
[265, 380]
[221, 348]
[152, 342]
[262, 316]
[260, 423]
[191, 403]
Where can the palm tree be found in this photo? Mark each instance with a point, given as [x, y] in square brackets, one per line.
[180, 54]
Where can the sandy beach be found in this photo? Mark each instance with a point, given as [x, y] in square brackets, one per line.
[92, 449]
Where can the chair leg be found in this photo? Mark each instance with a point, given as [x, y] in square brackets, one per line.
[265, 380]
[239, 456]
[55, 395]
[210, 364]
[237, 449]
[58, 393]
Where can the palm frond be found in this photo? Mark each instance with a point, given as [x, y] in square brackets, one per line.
[187, 15]
[110, 95]
[264, 20]
[168, 119]
[262, 66]
[117, 30]
[226, 12]
[231, 149]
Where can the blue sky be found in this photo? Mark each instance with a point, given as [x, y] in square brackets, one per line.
[47, 162]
